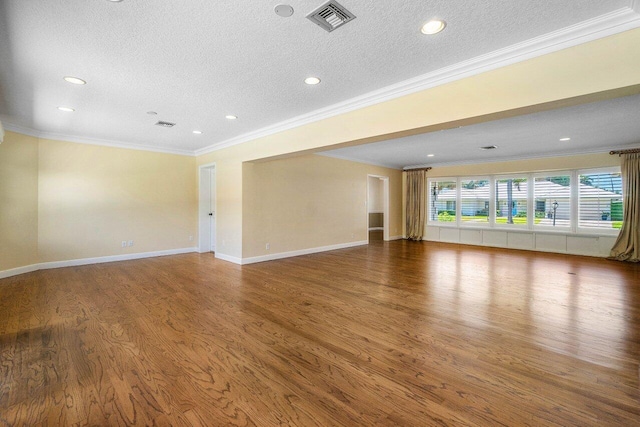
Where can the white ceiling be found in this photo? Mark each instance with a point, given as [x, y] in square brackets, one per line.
[593, 128]
[195, 61]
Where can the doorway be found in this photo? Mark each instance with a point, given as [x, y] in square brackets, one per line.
[207, 209]
[377, 208]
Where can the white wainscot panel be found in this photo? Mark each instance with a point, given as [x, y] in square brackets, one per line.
[605, 244]
[494, 238]
[451, 235]
[471, 237]
[582, 245]
[432, 233]
[551, 242]
[520, 240]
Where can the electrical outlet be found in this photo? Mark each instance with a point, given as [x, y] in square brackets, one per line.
[124, 243]
[130, 242]
[223, 242]
[191, 238]
[267, 246]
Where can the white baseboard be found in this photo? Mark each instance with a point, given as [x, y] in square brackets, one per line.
[229, 258]
[19, 270]
[396, 238]
[96, 260]
[271, 257]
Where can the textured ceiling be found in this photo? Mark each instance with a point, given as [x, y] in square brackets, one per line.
[195, 61]
[593, 128]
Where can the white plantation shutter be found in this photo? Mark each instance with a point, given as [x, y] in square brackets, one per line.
[474, 201]
[442, 201]
[600, 201]
[552, 191]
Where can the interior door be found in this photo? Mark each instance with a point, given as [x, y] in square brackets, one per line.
[212, 209]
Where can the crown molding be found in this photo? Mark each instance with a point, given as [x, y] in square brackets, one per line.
[602, 26]
[93, 141]
[599, 150]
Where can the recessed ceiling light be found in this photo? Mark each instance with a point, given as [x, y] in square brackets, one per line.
[433, 27]
[312, 80]
[74, 80]
[197, 132]
[231, 117]
[565, 139]
[151, 113]
[430, 155]
[115, 1]
[67, 109]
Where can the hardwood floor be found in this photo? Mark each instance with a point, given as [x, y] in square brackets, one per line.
[398, 334]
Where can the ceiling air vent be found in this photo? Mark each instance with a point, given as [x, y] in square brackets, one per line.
[165, 124]
[489, 147]
[330, 16]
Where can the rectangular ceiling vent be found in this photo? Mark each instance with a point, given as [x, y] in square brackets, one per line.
[165, 124]
[330, 16]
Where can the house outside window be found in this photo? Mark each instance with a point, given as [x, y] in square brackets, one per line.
[512, 201]
[600, 200]
[552, 194]
[474, 201]
[442, 201]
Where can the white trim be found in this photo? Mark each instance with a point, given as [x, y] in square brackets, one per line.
[396, 238]
[19, 270]
[229, 258]
[599, 150]
[308, 251]
[95, 141]
[533, 233]
[112, 258]
[635, 5]
[592, 29]
[96, 260]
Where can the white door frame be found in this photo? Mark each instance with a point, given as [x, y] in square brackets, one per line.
[385, 203]
[206, 177]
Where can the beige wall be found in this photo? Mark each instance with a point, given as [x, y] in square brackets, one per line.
[18, 201]
[93, 197]
[63, 201]
[308, 202]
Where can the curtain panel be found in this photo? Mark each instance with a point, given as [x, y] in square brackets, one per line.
[627, 247]
[416, 204]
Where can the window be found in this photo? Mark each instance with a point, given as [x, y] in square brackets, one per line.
[600, 200]
[552, 194]
[474, 201]
[569, 201]
[512, 200]
[442, 201]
